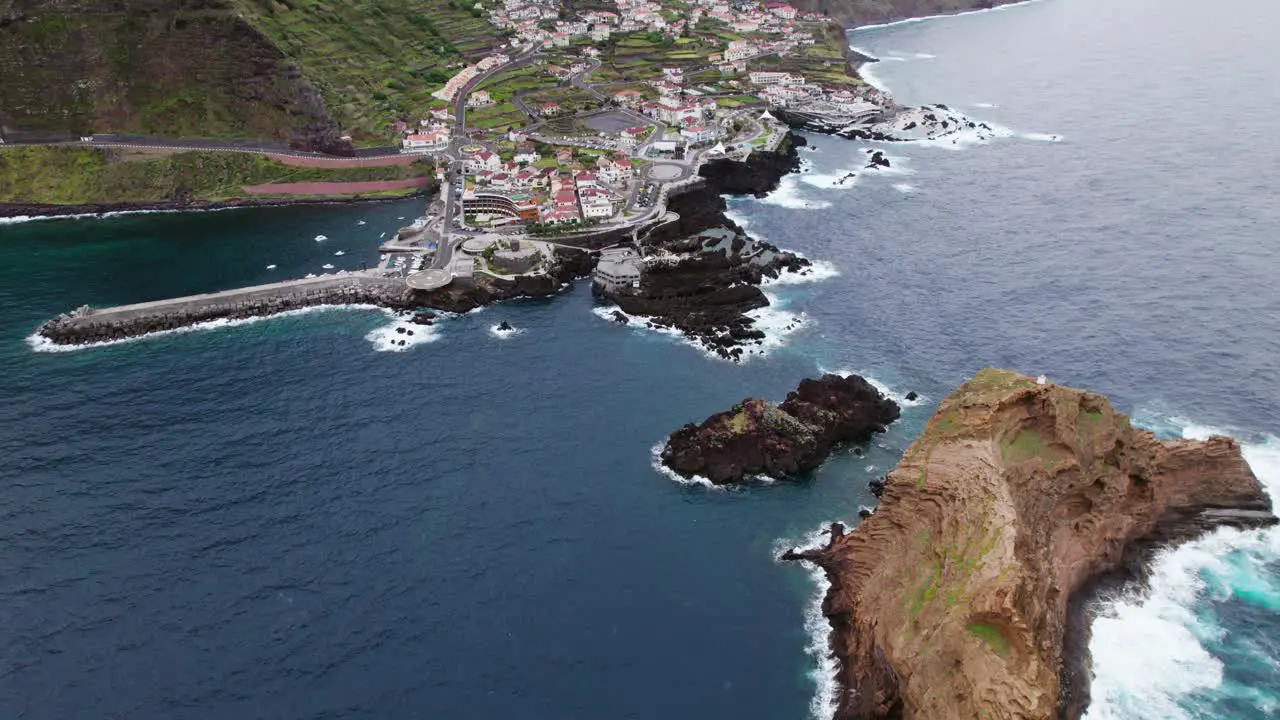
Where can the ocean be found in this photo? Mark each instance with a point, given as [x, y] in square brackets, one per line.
[295, 518]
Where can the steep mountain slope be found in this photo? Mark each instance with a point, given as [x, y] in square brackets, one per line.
[187, 68]
[302, 71]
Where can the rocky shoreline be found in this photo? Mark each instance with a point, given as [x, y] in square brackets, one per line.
[705, 272]
[706, 294]
[964, 594]
[756, 437]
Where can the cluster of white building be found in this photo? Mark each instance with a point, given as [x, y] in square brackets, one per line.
[782, 89]
[694, 115]
[553, 195]
[467, 74]
[432, 134]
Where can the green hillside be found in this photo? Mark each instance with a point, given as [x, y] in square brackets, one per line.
[376, 61]
[295, 70]
[64, 175]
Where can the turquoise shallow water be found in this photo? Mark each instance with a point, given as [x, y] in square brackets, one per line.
[283, 519]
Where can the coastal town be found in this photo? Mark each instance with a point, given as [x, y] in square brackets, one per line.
[598, 141]
[590, 115]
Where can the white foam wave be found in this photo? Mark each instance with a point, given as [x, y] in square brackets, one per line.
[867, 70]
[909, 21]
[17, 219]
[40, 343]
[826, 667]
[776, 324]
[898, 165]
[1147, 649]
[498, 332]
[389, 337]
[817, 272]
[898, 397]
[904, 188]
[788, 195]
[655, 462]
[984, 105]
[828, 181]
[1040, 137]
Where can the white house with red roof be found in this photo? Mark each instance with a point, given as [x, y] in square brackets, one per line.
[483, 160]
[781, 9]
[425, 142]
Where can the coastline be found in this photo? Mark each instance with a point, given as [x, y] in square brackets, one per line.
[1183, 491]
[997, 5]
[700, 206]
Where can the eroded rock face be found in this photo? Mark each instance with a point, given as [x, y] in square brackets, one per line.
[951, 601]
[756, 437]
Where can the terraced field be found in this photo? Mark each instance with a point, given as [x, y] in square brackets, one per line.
[376, 61]
[297, 70]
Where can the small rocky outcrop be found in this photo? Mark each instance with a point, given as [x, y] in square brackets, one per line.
[955, 599]
[756, 437]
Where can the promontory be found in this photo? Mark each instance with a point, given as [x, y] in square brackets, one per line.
[955, 600]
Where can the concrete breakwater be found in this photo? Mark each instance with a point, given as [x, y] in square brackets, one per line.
[89, 325]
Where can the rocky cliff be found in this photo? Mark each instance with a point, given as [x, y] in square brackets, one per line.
[756, 437]
[952, 601]
[184, 68]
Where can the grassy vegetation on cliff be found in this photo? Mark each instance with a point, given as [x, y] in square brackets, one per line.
[75, 176]
[188, 68]
[378, 60]
[278, 69]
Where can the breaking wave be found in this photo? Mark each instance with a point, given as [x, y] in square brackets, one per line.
[777, 324]
[655, 462]
[788, 195]
[40, 343]
[401, 334]
[1153, 650]
[817, 272]
[818, 631]
[898, 397]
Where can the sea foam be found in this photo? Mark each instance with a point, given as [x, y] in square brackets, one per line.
[388, 338]
[818, 271]
[789, 195]
[40, 343]
[898, 397]
[826, 667]
[776, 323]
[1148, 647]
[655, 462]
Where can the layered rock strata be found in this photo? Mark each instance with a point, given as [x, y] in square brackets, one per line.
[756, 437]
[952, 601]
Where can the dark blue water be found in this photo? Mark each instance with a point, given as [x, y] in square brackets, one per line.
[284, 520]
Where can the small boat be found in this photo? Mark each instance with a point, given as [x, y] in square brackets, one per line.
[321, 238]
[271, 267]
[327, 266]
[361, 222]
[311, 275]
[340, 253]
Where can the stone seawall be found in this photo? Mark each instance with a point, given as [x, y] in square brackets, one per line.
[89, 325]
